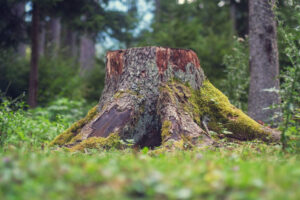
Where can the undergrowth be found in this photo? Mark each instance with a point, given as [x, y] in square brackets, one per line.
[19, 126]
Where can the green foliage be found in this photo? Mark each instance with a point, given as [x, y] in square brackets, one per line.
[290, 88]
[62, 109]
[14, 73]
[36, 127]
[250, 171]
[236, 84]
[58, 78]
[93, 82]
[89, 16]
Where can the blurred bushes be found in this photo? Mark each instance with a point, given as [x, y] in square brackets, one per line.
[58, 78]
[93, 82]
[34, 127]
[236, 84]
[19, 127]
[14, 73]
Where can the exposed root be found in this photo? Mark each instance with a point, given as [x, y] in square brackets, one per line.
[71, 132]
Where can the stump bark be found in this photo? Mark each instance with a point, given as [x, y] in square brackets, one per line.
[159, 96]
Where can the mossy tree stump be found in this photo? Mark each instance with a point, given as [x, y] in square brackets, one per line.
[159, 96]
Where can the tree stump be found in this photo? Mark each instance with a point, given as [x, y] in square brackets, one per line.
[159, 96]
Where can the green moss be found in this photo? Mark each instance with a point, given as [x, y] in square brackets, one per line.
[67, 135]
[120, 94]
[210, 102]
[181, 94]
[165, 129]
[166, 90]
[112, 141]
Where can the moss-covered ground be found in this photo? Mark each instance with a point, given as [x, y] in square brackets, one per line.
[248, 171]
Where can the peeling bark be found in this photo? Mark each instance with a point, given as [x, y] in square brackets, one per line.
[156, 96]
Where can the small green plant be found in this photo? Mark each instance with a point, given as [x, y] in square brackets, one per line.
[237, 74]
[19, 126]
[290, 77]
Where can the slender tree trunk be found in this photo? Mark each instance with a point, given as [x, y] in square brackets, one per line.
[71, 43]
[33, 77]
[54, 36]
[19, 10]
[42, 38]
[157, 10]
[159, 96]
[87, 52]
[264, 64]
[233, 15]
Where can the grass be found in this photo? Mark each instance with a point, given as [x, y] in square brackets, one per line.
[30, 169]
[248, 171]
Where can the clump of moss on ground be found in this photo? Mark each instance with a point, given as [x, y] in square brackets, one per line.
[67, 135]
[112, 141]
[212, 103]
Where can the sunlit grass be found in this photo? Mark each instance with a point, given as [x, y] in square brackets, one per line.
[249, 171]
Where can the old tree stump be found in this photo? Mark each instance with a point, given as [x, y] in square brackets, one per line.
[159, 96]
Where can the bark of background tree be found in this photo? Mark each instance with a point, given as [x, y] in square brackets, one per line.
[157, 10]
[71, 46]
[19, 10]
[54, 36]
[159, 96]
[33, 76]
[233, 15]
[87, 52]
[42, 38]
[264, 64]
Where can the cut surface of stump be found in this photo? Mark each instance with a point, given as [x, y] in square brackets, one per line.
[159, 96]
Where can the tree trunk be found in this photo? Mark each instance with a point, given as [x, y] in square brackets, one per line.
[42, 38]
[19, 10]
[33, 77]
[157, 11]
[233, 15]
[87, 52]
[54, 36]
[264, 64]
[71, 43]
[159, 96]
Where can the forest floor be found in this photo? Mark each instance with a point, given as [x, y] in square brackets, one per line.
[247, 171]
[29, 169]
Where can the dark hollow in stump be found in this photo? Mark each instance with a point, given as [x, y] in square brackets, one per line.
[159, 96]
